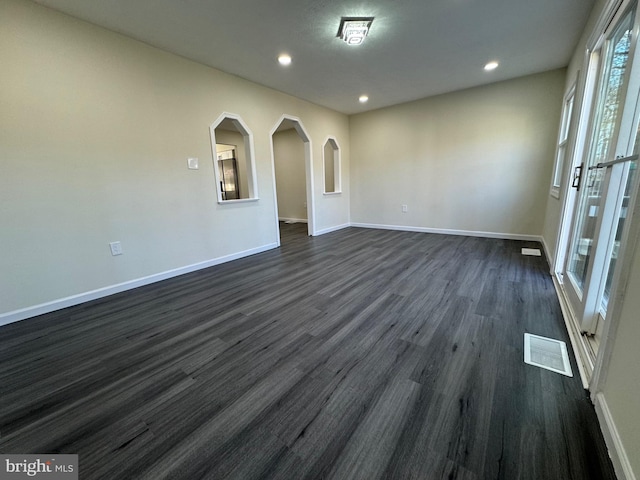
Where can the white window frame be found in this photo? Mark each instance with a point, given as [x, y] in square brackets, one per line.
[563, 141]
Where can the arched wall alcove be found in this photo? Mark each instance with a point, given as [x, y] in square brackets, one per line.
[233, 159]
[331, 168]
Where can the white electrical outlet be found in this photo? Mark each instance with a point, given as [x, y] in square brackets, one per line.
[192, 162]
[116, 248]
[404, 209]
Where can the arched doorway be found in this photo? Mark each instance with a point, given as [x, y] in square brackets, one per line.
[293, 173]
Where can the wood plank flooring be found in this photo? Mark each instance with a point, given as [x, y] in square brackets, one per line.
[360, 354]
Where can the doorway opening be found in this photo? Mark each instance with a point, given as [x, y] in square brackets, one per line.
[293, 176]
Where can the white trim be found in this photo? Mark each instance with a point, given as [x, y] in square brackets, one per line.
[17, 315]
[563, 141]
[295, 220]
[329, 194]
[608, 16]
[584, 83]
[547, 254]
[446, 231]
[238, 200]
[274, 187]
[332, 229]
[618, 454]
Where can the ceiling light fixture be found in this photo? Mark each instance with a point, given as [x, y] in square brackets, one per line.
[353, 30]
[363, 99]
[491, 66]
[284, 59]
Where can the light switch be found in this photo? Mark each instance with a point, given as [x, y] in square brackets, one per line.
[193, 163]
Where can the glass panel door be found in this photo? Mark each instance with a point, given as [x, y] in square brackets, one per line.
[600, 192]
[630, 171]
[584, 235]
[606, 115]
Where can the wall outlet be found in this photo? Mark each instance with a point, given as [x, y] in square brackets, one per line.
[116, 248]
[192, 162]
[404, 209]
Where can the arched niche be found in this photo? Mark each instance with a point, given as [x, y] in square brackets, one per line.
[233, 159]
[331, 166]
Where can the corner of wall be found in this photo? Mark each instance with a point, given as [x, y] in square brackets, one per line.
[617, 452]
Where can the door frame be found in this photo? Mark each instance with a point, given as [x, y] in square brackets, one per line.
[583, 302]
[308, 162]
[594, 370]
[567, 195]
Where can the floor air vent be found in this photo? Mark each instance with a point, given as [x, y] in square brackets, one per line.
[547, 353]
[532, 251]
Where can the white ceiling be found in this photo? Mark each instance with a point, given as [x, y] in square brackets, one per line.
[415, 49]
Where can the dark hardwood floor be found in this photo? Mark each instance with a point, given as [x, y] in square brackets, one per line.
[360, 354]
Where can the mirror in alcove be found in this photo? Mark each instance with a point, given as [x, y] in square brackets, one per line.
[233, 163]
[228, 169]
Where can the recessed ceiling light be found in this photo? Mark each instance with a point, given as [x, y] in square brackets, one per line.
[284, 59]
[363, 99]
[353, 30]
[491, 66]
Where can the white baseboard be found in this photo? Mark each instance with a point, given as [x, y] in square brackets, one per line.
[550, 260]
[580, 352]
[293, 220]
[17, 315]
[617, 452]
[446, 231]
[332, 229]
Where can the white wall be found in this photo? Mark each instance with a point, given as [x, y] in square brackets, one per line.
[473, 160]
[288, 149]
[622, 388]
[95, 131]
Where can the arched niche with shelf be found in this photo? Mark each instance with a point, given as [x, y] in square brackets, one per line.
[234, 163]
